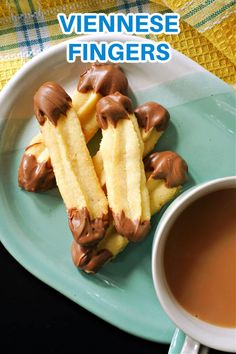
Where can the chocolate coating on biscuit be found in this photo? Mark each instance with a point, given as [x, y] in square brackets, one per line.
[35, 176]
[51, 101]
[134, 230]
[86, 232]
[152, 114]
[89, 260]
[169, 166]
[112, 108]
[104, 79]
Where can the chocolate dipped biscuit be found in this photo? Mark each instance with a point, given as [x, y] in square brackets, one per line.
[35, 172]
[167, 165]
[152, 115]
[122, 150]
[76, 178]
[153, 120]
[166, 172]
[98, 81]
[104, 79]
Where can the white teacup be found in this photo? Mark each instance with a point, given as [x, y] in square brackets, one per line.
[196, 330]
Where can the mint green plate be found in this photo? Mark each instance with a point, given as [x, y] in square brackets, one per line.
[33, 227]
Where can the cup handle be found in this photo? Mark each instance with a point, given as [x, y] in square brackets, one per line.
[182, 344]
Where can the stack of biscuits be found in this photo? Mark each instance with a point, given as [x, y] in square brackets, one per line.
[111, 196]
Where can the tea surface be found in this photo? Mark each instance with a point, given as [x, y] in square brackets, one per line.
[200, 258]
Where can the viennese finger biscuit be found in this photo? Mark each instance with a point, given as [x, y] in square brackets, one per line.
[121, 151]
[152, 119]
[91, 260]
[35, 170]
[166, 173]
[76, 178]
[97, 81]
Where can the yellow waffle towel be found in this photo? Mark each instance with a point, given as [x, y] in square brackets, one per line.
[208, 29]
[208, 34]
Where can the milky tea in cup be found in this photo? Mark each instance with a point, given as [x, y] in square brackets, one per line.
[200, 258]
